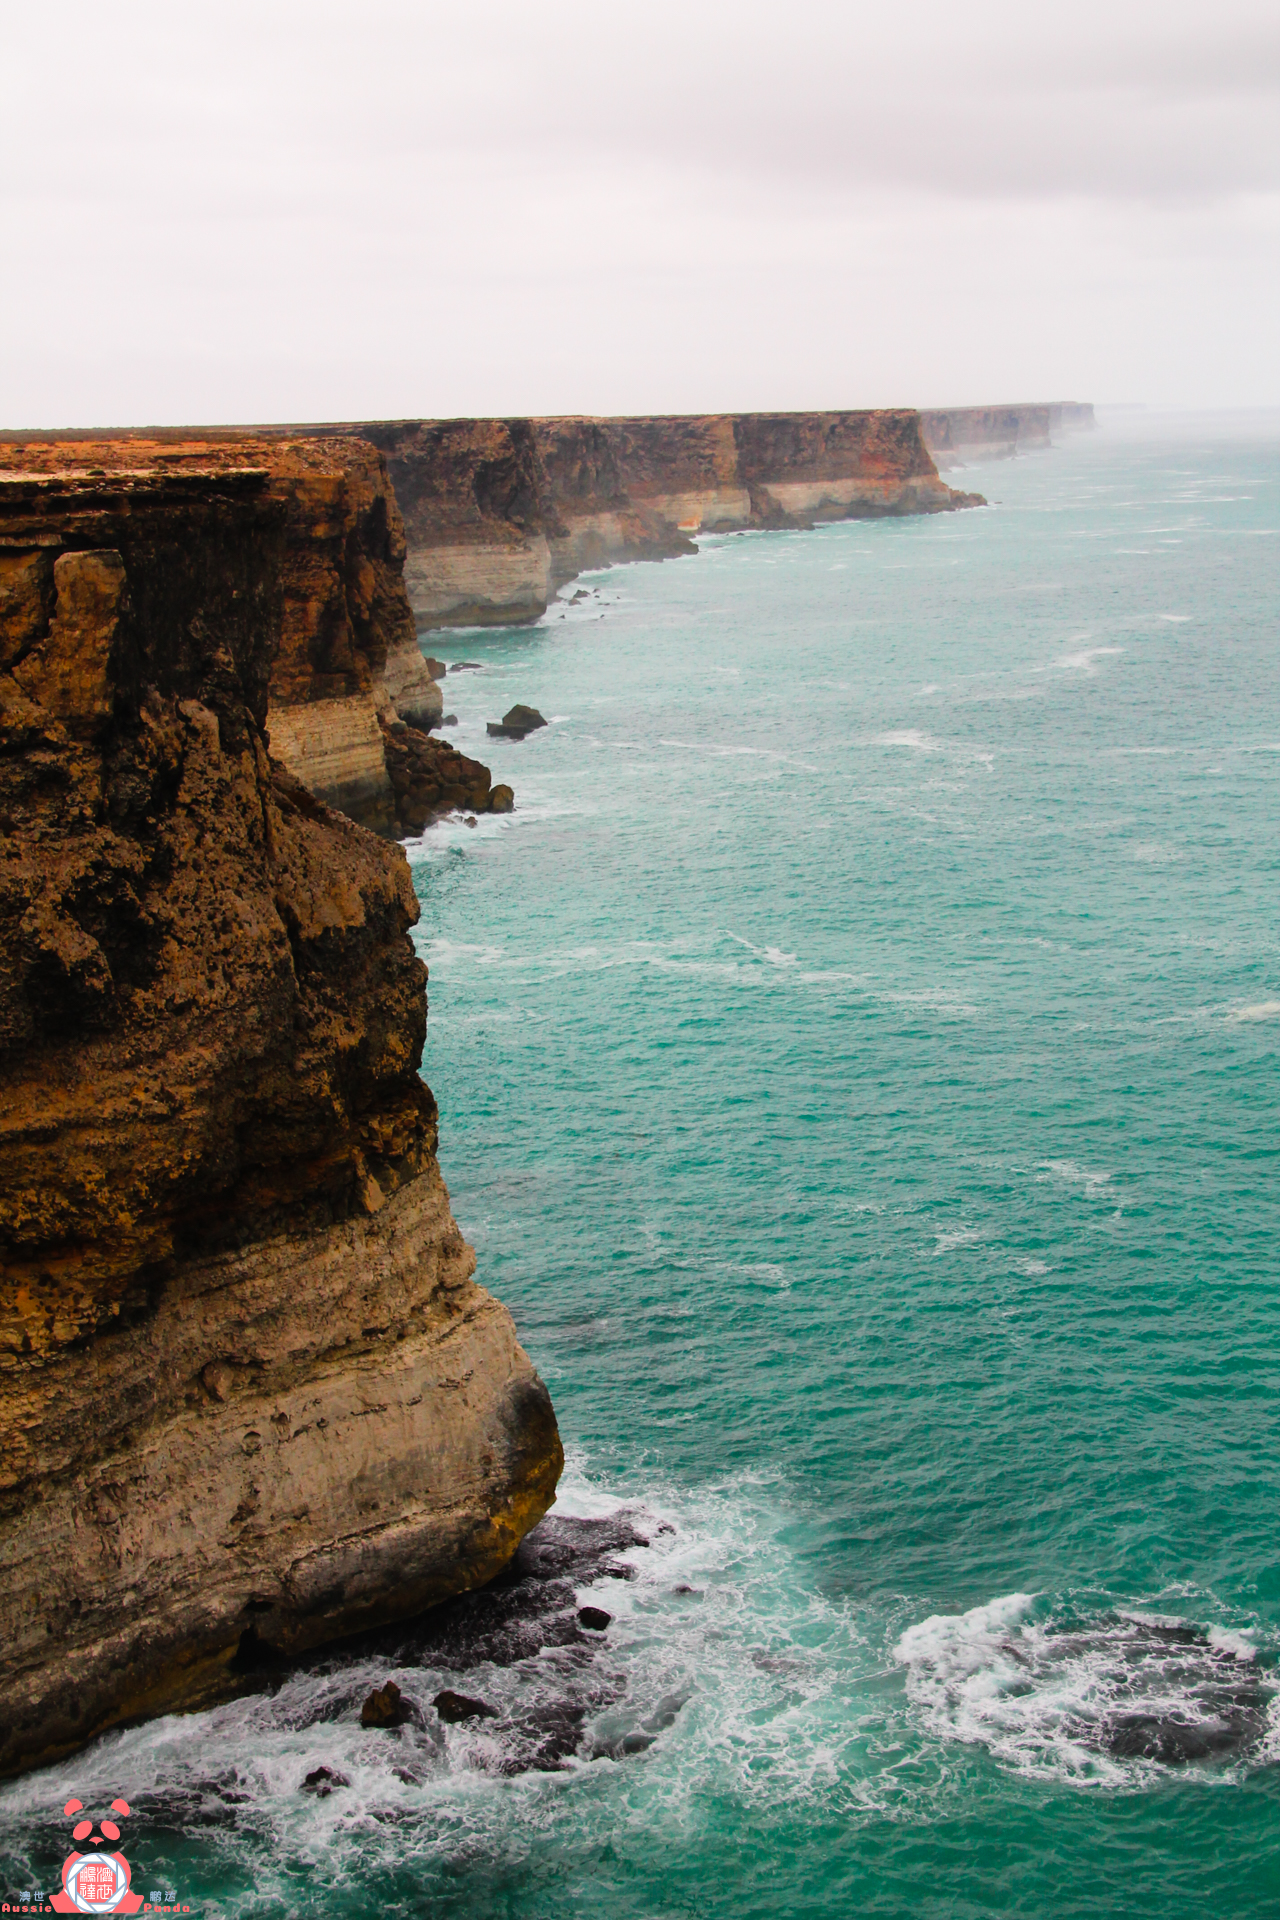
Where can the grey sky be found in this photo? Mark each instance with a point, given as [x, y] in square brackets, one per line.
[321, 211]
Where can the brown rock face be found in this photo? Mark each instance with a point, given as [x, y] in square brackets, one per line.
[250, 1395]
[499, 514]
[956, 434]
[347, 662]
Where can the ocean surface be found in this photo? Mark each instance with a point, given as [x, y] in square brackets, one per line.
[858, 1066]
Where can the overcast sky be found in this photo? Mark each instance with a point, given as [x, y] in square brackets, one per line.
[330, 210]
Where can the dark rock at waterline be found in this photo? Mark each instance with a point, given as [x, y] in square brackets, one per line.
[546, 1738]
[502, 799]
[467, 666]
[531, 1605]
[449, 720]
[453, 1707]
[595, 1619]
[1176, 1742]
[516, 722]
[322, 1781]
[386, 1707]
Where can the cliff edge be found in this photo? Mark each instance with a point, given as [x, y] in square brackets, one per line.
[252, 1396]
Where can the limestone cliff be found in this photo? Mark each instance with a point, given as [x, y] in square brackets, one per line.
[350, 698]
[250, 1395]
[955, 435]
[499, 514]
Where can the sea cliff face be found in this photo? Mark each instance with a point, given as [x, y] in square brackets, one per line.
[499, 514]
[350, 697]
[252, 1396]
[954, 435]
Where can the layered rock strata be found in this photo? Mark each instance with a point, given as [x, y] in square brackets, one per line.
[955, 435]
[348, 667]
[499, 514]
[251, 1396]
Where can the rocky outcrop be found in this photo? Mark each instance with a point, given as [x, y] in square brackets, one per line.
[348, 665]
[499, 514]
[252, 1395]
[955, 435]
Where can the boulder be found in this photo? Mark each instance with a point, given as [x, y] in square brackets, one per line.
[386, 1707]
[516, 723]
[594, 1619]
[502, 799]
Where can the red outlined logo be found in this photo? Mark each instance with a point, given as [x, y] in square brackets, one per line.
[98, 1881]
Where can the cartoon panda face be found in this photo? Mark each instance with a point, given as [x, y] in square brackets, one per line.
[83, 1829]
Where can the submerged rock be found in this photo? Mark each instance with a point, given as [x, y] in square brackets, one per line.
[453, 1707]
[516, 723]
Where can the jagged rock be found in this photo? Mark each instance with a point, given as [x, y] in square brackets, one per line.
[594, 1619]
[322, 1781]
[453, 1707]
[386, 1707]
[430, 778]
[516, 723]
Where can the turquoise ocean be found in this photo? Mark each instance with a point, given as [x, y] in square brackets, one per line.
[857, 1059]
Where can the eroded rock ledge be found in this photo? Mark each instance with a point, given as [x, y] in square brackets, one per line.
[250, 1394]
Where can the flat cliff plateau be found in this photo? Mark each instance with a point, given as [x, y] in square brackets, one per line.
[499, 514]
[351, 700]
[955, 435]
[251, 1397]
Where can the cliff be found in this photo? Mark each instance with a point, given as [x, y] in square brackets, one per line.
[954, 435]
[350, 697]
[252, 1396]
[499, 514]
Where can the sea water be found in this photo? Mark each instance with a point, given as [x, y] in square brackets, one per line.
[857, 1058]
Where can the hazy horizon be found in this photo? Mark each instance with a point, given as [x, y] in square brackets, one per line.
[232, 214]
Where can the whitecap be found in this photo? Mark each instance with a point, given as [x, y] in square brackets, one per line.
[1258, 1010]
[956, 1237]
[1083, 662]
[1111, 1699]
[907, 737]
[1094, 1181]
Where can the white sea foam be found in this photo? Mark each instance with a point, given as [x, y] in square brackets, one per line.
[957, 1237]
[1258, 1010]
[1085, 660]
[775, 956]
[720, 1673]
[1093, 1180]
[1155, 853]
[907, 737]
[1106, 1701]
